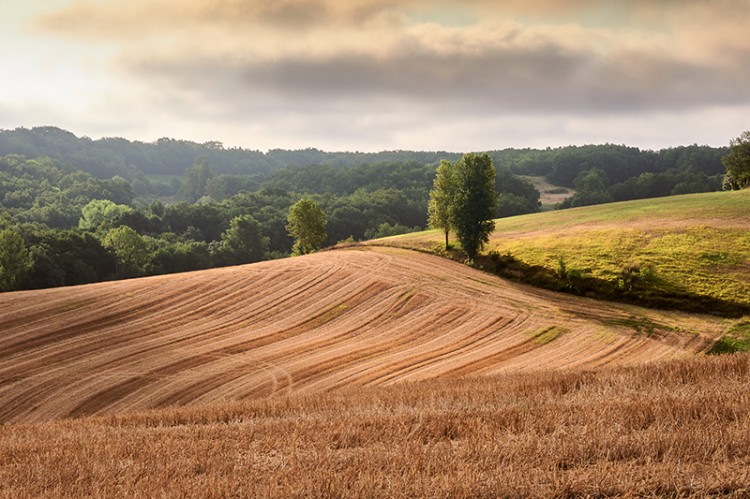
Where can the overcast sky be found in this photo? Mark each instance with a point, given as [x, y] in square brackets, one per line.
[371, 75]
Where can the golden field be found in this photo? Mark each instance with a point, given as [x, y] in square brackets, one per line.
[379, 371]
[673, 429]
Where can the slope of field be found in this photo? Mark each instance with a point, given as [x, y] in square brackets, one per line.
[697, 244]
[315, 323]
[670, 429]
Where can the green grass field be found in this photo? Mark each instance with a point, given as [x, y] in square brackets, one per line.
[696, 244]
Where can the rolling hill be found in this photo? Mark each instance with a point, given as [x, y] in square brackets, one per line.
[377, 370]
[695, 246]
[332, 320]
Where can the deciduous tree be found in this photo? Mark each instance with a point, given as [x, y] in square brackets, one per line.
[306, 224]
[442, 198]
[101, 214]
[196, 178]
[737, 163]
[243, 241]
[14, 259]
[131, 251]
[475, 202]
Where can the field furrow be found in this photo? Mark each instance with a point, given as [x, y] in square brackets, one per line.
[353, 317]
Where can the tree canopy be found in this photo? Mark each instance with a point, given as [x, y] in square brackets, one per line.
[306, 223]
[442, 198]
[63, 194]
[243, 241]
[737, 163]
[101, 214]
[475, 202]
[130, 250]
[14, 260]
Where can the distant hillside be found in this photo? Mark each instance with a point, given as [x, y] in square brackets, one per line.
[112, 156]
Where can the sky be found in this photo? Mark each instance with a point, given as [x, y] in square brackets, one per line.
[371, 75]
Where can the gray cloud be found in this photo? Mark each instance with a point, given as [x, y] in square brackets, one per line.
[546, 78]
[321, 68]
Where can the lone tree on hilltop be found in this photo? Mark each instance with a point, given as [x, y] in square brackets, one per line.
[737, 163]
[475, 202]
[442, 198]
[306, 223]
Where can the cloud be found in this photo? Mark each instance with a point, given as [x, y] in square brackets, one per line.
[326, 63]
[482, 68]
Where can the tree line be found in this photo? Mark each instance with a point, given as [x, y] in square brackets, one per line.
[607, 173]
[61, 225]
[64, 226]
[156, 169]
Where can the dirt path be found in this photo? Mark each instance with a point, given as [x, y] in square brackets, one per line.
[350, 317]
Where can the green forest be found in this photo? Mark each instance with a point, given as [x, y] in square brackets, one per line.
[75, 210]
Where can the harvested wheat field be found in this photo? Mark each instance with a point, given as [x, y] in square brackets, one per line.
[332, 320]
[668, 429]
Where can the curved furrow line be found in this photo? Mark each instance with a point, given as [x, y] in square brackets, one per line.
[382, 355]
[105, 348]
[549, 352]
[208, 382]
[251, 387]
[54, 330]
[636, 350]
[124, 309]
[97, 402]
[22, 403]
[194, 391]
[300, 287]
[320, 345]
[315, 323]
[472, 360]
[394, 365]
[447, 346]
[84, 329]
[278, 335]
[573, 355]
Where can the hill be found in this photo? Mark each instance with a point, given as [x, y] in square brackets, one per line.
[332, 320]
[691, 249]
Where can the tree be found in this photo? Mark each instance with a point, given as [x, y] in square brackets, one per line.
[197, 176]
[243, 242]
[306, 223]
[101, 214]
[592, 187]
[131, 251]
[14, 260]
[737, 163]
[67, 257]
[475, 201]
[442, 198]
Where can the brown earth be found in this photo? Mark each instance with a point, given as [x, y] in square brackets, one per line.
[346, 318]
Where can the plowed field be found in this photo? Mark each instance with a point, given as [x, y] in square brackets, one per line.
[367, 316]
